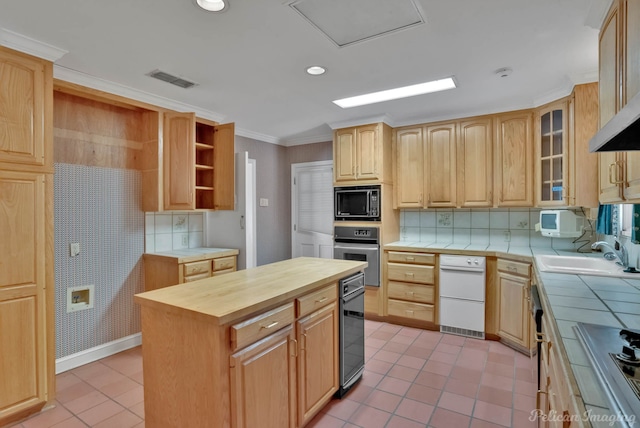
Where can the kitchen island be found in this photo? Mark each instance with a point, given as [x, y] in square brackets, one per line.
[257, 347]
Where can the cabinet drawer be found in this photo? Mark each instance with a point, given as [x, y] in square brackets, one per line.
[222, 272]
[516, 268]
[417, 258]
[312, 301]
[412, 292]
[410, 273]
[196, 268]
[197, 277]
[224, 263]
[254, 329]
[416, 311]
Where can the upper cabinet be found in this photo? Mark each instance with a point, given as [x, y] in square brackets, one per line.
[198, 165]
[179, 160]
[475, 161]
[25, 107]
[619, 69]
[552, 136]
[513, 172]
[446, 164]
[440, 165]
[564, 165]
[362, 154]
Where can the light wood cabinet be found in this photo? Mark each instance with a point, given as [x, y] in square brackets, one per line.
[263, 383]
[409, 167]
[552, 151]
[317, 335]
[26, 94]
[410, 281]
[440, 158]
[179, 160]
[513, 172]
[619, 68]
[362, 154]
[514, 286]
[475, 163]
[163, 270]
[26, 247]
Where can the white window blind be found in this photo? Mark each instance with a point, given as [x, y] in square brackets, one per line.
[315, 201]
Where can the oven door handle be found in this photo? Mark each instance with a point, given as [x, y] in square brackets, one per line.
[461, 269]
[355, 247]
[353, 295]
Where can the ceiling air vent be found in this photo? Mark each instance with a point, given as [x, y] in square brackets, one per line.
[169, 78]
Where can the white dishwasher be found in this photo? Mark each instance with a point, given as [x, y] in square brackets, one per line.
[462, 295]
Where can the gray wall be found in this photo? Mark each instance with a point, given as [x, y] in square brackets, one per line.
[273, 181]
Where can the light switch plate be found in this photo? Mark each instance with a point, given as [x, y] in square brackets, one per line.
[264, 202]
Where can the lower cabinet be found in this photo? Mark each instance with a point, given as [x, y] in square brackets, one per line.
[411, 290]
[318, 361]
[163, 271]
[287, 377]
[514, 319]
[263, 382]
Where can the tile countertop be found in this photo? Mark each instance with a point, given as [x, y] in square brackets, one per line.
[591, 299]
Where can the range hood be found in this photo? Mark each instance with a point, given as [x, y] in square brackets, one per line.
[622, 132]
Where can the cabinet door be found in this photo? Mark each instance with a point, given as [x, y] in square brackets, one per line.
[514, 160]
[409, 182]
[344, 154]
[475, 162]
[22, 293]
[263, 383]
[26, 95]
[632, 88]
[368, 153]
[224, 166]
[552, 155]
[179, 160]
[611, 169]
[514, 313]
[318, 361]
[440, 166]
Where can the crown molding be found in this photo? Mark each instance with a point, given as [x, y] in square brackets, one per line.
[258, 136]
[323, 138]
[362, 121]
[30, 46]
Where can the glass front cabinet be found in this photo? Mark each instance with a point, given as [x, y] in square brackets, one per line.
[551, 150]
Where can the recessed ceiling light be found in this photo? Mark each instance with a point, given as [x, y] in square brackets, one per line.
[394, 94]
[213, 5]
[316, 70]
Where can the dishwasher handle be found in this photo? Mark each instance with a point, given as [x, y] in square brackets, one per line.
[461, 269]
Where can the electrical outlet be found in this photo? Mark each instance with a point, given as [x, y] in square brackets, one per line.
[507, 236]
[185, 240]
[74, 249]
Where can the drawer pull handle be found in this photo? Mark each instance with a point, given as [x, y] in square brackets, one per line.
[410, 293]
[324, 299]
[410, 259]
[266, 327]
[409, 274]
[512, 268]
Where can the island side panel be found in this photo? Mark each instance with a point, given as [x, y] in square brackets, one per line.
[186, 371]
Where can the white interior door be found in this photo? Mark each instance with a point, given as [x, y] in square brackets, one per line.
[312, 209]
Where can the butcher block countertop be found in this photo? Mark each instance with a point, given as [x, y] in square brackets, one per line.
[228, 298]
[193, 254]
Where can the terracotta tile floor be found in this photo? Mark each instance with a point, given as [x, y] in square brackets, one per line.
[412, 378]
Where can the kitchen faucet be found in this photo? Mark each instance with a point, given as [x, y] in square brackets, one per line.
[620, 254]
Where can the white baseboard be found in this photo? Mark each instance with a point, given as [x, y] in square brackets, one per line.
[101, 351]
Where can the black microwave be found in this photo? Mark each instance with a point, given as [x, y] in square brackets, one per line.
[357, 203]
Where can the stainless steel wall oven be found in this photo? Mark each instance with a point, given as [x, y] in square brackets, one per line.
[360, 244]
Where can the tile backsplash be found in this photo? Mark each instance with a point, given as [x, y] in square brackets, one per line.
[503, 227]
[173, 231]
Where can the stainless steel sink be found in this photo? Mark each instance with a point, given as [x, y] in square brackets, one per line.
[581, 265]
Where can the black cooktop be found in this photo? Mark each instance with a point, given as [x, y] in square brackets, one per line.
[614, 353]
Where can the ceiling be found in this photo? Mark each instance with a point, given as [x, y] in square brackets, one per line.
[249, 62]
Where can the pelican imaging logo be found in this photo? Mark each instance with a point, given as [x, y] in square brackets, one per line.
[588, 415]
